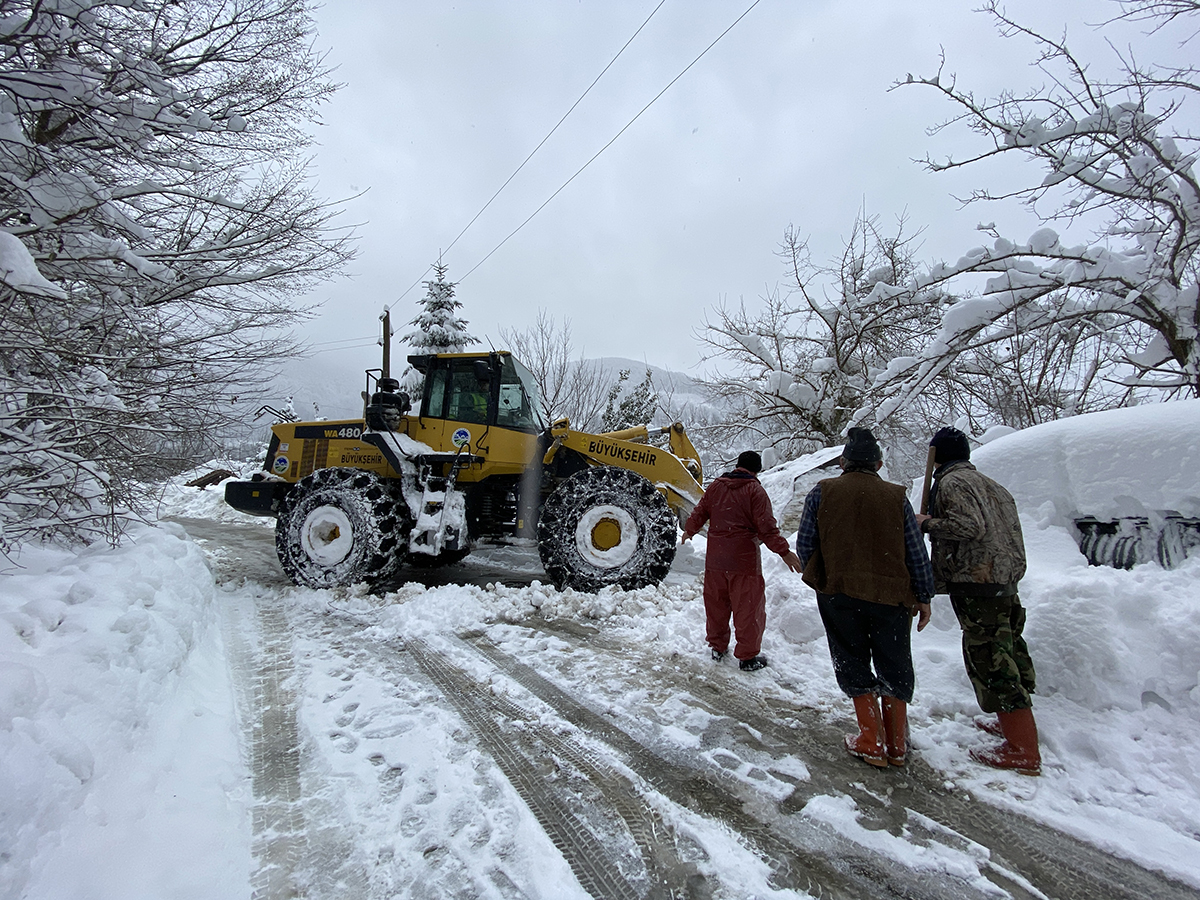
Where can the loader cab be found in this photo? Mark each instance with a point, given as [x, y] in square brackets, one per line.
[491, 389]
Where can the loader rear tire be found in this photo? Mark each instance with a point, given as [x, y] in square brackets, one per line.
[606, 526]
[340, 527]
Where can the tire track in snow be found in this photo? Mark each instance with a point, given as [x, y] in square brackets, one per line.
[258, 649]
[437, 867]
[268, 713]
[518, 743]
[299, 847]
[813, 859]
[1020, 850]
[1023, 857]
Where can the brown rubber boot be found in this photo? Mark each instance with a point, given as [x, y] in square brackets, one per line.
[1019, 751]
[991, 726]
[867, 745]
[895, 730]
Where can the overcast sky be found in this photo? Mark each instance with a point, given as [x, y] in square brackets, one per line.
[788, 119]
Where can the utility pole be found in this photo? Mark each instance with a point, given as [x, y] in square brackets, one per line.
[386, 318]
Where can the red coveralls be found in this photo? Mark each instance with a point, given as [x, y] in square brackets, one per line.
[739, 516]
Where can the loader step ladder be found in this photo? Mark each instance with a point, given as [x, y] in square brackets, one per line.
[442, 520]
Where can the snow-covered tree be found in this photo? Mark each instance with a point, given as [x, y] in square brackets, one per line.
[152, 175]
[625, 408]
[1113, 151]
[438, 327]
[807, 359]
[1028, 376]
[569, 385]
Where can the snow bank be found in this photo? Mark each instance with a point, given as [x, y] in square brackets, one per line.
[1110, 639]
[177, 500]
[102, 732]
[788, 484]
[1123, 462]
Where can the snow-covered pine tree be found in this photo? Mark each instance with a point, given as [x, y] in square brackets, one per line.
[438, 329]
[635, 408]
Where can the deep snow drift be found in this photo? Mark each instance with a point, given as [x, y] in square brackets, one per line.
[122, 775]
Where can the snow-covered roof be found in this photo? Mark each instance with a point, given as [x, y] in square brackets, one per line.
[1122, 462]
[789, 483]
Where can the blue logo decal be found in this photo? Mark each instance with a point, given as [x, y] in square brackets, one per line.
[461, 437]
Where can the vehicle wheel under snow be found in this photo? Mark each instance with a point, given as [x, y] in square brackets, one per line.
[339, 527]
[606, 526]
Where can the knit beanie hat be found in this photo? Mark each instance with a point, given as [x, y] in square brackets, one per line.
[861, 447]
[950, 444]
[750, 461]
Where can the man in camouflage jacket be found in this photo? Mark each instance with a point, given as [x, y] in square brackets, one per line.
[978, 559]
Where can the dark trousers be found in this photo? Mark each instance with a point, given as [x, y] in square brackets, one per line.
[997, 660]
[744, 596]
[869, 646]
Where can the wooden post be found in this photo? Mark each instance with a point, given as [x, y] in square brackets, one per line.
[929, 467]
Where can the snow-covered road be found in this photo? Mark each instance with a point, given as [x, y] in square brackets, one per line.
[178, 720]
[536, 756]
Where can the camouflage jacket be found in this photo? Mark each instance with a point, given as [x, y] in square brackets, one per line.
[978, 549]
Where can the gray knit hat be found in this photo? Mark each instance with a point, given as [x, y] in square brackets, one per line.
[861, 447]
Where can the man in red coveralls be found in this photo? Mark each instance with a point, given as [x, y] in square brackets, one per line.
[739, 516]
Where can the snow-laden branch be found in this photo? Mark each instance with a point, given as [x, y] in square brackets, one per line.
[156, 231]
[1110, 153]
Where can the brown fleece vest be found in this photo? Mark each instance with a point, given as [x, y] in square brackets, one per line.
[860, 547]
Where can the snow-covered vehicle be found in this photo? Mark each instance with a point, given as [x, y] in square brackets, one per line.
[355, 500]
[1127, 481]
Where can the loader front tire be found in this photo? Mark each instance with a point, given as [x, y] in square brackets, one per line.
[339, 527]
[606, 526]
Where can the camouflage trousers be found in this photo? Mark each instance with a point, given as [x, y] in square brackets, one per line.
[994, 651]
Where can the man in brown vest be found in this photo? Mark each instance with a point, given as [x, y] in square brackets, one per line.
[864, 555]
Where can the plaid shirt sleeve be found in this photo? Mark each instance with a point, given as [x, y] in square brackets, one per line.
[916, 558]
[806, 537]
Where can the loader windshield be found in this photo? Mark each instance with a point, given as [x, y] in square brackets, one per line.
[520, 403]
[467, 389]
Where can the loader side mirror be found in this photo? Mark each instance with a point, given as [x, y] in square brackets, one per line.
[483, 371]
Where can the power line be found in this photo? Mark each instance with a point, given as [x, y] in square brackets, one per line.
[364, 337]
[549, 134]
[614, 139]
[367, 343]
[411, 286]
[560, 121]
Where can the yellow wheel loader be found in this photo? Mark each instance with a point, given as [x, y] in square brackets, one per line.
[472, 460]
